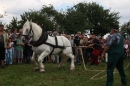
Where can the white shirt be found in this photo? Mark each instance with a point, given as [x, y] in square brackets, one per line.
[126, 46]
[10, 44]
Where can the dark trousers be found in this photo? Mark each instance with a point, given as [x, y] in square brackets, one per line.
[115, 60]
[27, 53]
[2, 53]
[86, 55]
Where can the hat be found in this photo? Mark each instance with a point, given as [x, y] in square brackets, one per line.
[72, 34]
[116, 27]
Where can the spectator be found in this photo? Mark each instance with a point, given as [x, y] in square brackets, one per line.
[3, 41]
[129, 48]
[85, 50]
[14, 37]
[72, 39]
[9, 33]
[43, 28]
[126, 48]
[72, 44]
[96, 51]
[19, 47]
[27, 51]
[9, 53]
[76, 44]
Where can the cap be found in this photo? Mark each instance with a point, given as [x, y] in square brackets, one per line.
[72, 34]
[116, 27]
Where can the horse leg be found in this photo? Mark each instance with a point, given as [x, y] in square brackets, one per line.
[33, 59]
[68, 53]
[63, 60]
[40, 60]
[72, 66]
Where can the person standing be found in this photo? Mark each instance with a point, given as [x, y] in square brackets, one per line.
[8, 58]
[27, 50]
[126, 48]
[85, 51]
[97, 50]
[77, 44]
[9, 33]
[114, 48]
[3, 40]
[19, 47]
[14, 38]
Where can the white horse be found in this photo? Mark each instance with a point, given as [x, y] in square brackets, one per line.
[55, 45]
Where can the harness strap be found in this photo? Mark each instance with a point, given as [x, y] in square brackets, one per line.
[56, 41]
[52, 51]
[42, 40]
[54, 46]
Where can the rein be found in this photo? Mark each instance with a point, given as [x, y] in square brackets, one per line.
[27, 36]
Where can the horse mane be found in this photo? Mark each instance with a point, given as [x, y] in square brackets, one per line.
[36, 25]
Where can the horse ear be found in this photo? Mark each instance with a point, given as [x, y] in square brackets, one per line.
[27, 21]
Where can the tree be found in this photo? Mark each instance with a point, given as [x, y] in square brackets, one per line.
[80, 17]
[125, 29]
[89, 16]
[13, 24]
[75, 19]
[83, 16]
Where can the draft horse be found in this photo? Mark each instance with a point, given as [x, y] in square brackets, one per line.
[44, 45]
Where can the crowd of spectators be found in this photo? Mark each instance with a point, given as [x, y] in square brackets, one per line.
[18, 52]
[92, 47]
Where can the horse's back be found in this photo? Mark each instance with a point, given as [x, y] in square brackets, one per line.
[65, 41]
[62, 41]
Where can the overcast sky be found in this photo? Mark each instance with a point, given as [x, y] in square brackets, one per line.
[17, 7]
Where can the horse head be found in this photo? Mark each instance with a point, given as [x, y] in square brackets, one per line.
[27, 30]
[31, 30]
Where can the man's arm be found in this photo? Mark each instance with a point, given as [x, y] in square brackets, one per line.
[105, 50]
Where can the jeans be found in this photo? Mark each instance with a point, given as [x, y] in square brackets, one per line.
[8, 56]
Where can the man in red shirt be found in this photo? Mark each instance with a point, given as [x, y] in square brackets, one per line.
[97, 50]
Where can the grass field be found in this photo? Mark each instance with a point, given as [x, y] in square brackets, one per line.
[22, 75]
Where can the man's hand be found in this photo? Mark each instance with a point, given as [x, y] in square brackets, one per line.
[102, 56]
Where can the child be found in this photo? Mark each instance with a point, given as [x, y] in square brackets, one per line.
[9, 48]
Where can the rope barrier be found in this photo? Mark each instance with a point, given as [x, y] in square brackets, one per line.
[100, 71]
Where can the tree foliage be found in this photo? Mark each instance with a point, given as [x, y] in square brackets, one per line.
[80, 17]
[125, 28]
[13, 24]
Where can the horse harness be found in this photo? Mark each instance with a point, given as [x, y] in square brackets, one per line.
[42, 40]
[27, 36]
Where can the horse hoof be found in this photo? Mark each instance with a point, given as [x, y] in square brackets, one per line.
[42, 71]
[72, 69]
[59, 67]
[34, 70]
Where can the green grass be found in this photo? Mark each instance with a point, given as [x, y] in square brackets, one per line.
[22, 75]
